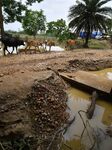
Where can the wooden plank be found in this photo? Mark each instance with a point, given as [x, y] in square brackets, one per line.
[90, 80]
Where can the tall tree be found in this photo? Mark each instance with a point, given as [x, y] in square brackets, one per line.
[60, 30]
[56, 28]
[1, 19]
[12, 10]
[33, 22]
[89, 15]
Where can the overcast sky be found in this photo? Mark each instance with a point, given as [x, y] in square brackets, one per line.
[53, 10]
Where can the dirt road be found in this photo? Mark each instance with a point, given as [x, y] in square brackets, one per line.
[62, 61]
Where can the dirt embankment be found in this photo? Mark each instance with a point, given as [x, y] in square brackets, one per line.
[33, 100]
[32, 108]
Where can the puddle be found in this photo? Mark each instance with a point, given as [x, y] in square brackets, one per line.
[53, 48]
[86, 134]
[107, 73]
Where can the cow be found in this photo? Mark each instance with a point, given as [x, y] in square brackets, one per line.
[33, 43]
[70, 43]
[49, 43]
[13, 42]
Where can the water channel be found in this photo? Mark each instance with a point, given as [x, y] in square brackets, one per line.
[86, 134]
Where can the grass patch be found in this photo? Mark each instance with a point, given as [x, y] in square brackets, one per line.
[99, 44]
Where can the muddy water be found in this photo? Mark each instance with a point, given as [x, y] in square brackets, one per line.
[107, 73]
[86, 134]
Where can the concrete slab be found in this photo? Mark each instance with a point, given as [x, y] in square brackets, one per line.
[90, 80]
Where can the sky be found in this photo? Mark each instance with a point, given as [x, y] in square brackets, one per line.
[53, 10]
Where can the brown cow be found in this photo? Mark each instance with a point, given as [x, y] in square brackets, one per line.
[70, 44]
[33, 43]
[49, 43]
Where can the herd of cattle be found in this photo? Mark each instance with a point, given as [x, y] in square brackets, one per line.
[39, 43]
[15, 42]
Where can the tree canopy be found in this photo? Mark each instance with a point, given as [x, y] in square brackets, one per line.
[33, 22]
[60, 30]
[13, 10]
[89, 15]
[56, 27]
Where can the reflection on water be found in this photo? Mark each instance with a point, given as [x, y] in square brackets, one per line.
[86, 134]
[81, 100]
[105, 73]
[109, 75]
[96, 127]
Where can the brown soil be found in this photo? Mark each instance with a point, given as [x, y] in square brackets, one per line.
[32, 98]
[62, 61]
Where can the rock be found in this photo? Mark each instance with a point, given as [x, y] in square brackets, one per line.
[1, 75]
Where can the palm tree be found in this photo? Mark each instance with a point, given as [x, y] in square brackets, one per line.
[89, 15]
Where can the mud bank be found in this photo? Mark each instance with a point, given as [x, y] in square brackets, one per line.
[32, 108]
[33, 100]
[67, 61]
[89, 64]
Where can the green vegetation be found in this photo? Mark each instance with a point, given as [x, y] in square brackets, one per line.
[99, 44]
[13, 10]
[58, 29]
[86, 15]
[93, 43]
[89, 15]
[33, 22]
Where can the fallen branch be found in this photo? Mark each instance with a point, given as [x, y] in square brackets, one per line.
[85, 125]
[109, 131]
[68, 125]
[91, 108]
[1, 146]
[48, 148]
[67, 146]
[61, 130]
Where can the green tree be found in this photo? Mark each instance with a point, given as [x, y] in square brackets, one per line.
[56, 27]
[13, 10]
[89, 15]
[33, 22]
[51, 28]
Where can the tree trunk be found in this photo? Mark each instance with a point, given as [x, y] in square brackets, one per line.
[86, 40]
[1, 25]
[87, 36]
[91, 108]
[1, 20]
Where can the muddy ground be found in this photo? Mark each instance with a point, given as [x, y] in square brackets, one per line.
[68, 61]
[33, 98]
